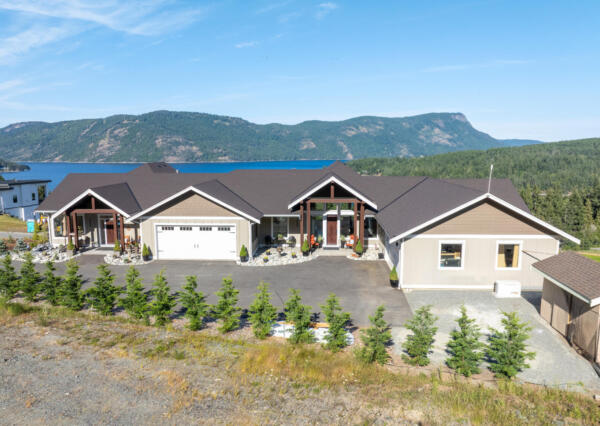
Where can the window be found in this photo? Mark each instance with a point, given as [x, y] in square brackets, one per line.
[185, 228]
[167, 228]
[205, 228]
[508, 255]
[224, 228]
[451, 254]
[370, 227]
[280, 226]
[59, 227]
[33, 196]
[15, 199]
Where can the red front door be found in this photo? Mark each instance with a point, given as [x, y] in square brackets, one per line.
[331, 230]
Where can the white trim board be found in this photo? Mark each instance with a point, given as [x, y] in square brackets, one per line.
[447, 286]
[592, 302]
[338, 182]
[475, 201]
[82, 196]
[197, 191]
[480, 236]
[519, 260]
[189, 217]
[463, 248]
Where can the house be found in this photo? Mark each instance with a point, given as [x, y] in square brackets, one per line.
[571, 299]
[20, 198]
[439, 233]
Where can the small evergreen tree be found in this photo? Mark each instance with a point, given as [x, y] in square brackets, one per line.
[163, 301]
[103, 296]
[117, 246]
[243, 252]
[3, 248]
[50, 285]
[507, 349]
[262, 312]
[299, 315]
[464, 346]
[226, 308]
[29, 278]
[145, 251]
[21, 245]
[135, 301]
[375, 339]
[305, 248]
[418, 344]
[336, 337]
[359, 247]
[9, 281]
[194, 302]
[70, 289]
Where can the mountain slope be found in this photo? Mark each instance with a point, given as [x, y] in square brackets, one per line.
[566, 165]
[188, 136]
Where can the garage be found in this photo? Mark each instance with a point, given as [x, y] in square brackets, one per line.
[196, 242]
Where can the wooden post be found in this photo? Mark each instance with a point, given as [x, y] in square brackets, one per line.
[331, 191]
[93, 203]
[68, 227]
[308, 221]
[122, 223]
[115, 226]
[301, 224]
[75, 230]
[362, 225]
[355, 225]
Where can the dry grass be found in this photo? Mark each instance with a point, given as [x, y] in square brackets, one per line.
[12, 224]
[272, 367]
[594, 255]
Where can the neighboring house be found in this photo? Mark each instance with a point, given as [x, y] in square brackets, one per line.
[19, 198]
[439, 233]
[571, 299]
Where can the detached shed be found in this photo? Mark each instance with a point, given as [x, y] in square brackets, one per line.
[571, 299]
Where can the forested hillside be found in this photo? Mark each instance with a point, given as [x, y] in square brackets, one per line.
[9, 166]
[189, 136]
[560, 182]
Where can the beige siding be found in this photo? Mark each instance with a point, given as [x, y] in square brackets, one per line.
[193, 205]
[149, 231]
[486, 218]
[421, 263]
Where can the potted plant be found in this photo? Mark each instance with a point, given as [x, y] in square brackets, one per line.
[358, 249]
[394, 278]
[292, 241]
[342, 241]
[266, 259]
[243, 253]
[280, 250]
[320, 240]
[268, 252]
[71, 248]
[305, 248]
[280, 239]
[294, 255]
[145, 253]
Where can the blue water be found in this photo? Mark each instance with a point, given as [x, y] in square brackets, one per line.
[57, 171]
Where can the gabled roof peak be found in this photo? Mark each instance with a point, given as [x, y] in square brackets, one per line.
[157, 167]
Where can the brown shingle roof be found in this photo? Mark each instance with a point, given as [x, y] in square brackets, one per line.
[580, 274]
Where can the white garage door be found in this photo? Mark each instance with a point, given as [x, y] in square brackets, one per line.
[210, 242]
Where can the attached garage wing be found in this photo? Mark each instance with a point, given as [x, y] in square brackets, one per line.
[196, 241]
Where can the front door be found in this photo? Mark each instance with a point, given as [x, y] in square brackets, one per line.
[109, 236]
[332, 230]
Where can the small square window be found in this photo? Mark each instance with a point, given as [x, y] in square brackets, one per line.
[508, 255]
[185, 228]
[225, 228]
[206, 228]
[451, 255]
[33, 196]
[15, 199]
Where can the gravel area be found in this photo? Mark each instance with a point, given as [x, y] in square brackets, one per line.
[556, 362]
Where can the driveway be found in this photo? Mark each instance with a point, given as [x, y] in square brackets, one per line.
[360, 285]
[556, 362]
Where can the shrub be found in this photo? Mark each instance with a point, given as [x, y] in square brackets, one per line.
[305, 246]
[226, 308]
[135, 301]
[104, 294]
[464, 346]
[117, 246]
[3, 248]
[70, 246]
[9, 281]
[262, 312]
[194, 302]
[507, 349]
[70, 290]
[393, 274]
[358, 248]
[243, 252]
[418, 344]
[336, 337]
[50, 285]
[21, 245]
[29, 278]
[145, 251]
[299, 315]
[163, 301]
[375, 339]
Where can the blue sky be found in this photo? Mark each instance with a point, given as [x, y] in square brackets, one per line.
[517, 69]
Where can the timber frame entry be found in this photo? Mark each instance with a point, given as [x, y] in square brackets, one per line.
[71, 222]
[358, 207]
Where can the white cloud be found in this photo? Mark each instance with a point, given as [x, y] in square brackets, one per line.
[272, 6]
[37, 36]
[10, 84]
[325, 9]
[245, 44]
[460, 67]
[140, 17]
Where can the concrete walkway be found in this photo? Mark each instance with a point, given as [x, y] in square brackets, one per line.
[15, 235]
[360, 285]
[556, 362]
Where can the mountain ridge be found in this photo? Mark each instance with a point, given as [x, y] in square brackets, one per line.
[180, 136]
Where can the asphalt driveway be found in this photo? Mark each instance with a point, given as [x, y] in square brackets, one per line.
[360, 285]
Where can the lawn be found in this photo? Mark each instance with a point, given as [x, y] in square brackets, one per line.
[591, 255]
[12, 224]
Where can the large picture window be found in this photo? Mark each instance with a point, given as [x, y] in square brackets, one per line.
[508, 255]
[59, 226]
[451, 254]
[280, 227]
[370, 227]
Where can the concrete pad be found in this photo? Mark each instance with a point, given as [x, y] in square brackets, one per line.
[556, 362]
